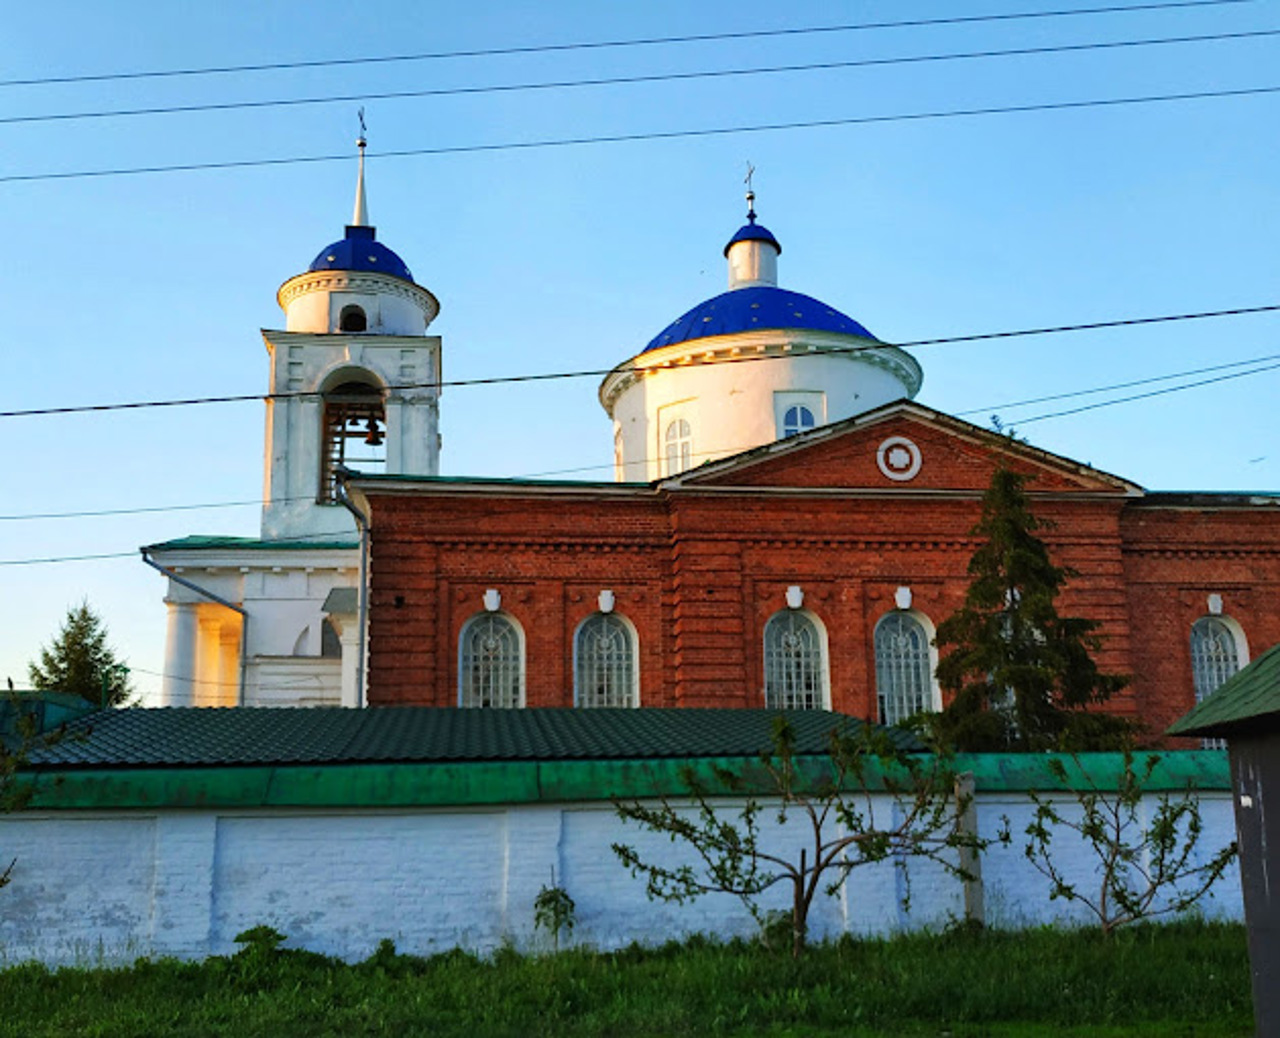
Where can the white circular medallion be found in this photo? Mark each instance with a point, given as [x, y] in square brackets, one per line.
[898, 458]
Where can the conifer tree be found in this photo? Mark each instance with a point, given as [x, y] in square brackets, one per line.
[1021, 675]
[79, 661]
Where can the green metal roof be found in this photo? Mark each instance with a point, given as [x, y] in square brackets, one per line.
[203, 541]
[1252, 693]
[196, 737]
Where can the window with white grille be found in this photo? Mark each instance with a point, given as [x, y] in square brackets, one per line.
[1215, 656]
[795, 668]
[491, 662]
[904, 670]
[604, 671]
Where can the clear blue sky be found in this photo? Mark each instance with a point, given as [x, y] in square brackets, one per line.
[545, 259]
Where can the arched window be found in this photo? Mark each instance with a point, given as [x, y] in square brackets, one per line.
[354, 417]
[491, 662]
[352, 319]
[796, 420]
[904, 670]
[679, 446]
[604, 662]
[619, 469]
[1215, 656]
[795, 668]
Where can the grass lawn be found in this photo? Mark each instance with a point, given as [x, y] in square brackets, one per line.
[1185, 979]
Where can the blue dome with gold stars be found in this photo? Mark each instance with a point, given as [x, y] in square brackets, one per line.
[360, 250]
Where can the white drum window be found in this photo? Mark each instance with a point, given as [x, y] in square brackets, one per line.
[796, 419]
[1215, 656]
[904, 679]
[604, 672]
[795, 671]
[490, 662]
[678, 446]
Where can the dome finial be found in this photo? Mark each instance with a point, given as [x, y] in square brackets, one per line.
[360, 218]
[751, 194]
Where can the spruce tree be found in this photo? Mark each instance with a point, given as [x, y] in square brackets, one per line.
[1021, 675]
[79, 661]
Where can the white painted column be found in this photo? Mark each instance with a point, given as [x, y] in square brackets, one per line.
[228, 664]
[206, 690]
[348, 628]
[178, 686]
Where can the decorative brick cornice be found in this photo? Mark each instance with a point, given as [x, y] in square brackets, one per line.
[1203, 551]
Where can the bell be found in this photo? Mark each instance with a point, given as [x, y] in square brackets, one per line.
[374, 435]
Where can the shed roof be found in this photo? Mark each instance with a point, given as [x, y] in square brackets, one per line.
[203, 737]
[1247, 696]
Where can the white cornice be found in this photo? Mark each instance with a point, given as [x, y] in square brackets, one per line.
[752, 346]
[357, 281]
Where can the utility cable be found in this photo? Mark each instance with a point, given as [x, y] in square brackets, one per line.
[1111, 388]
[97, 513]
[552, 48]
[664, 77]
[321, 540]
[657, 135]
[1145, 396]
[1127, 322]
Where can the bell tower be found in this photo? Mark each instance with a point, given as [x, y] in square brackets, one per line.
[355, 380]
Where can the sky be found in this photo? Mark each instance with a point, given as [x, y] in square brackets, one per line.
[153, 286]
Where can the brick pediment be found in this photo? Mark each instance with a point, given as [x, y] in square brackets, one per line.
[902, 447]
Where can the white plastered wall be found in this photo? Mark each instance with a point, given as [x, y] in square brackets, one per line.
[731, 404]
[283, 594]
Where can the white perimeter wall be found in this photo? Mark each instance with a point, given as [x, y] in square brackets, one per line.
[112, 886]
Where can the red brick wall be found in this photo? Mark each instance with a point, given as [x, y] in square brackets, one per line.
[1174, 558]
[698, 572]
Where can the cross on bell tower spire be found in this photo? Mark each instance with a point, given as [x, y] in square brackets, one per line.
[360, 218]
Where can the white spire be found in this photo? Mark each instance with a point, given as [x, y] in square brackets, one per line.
[360, 218]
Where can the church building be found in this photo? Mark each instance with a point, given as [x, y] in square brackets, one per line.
[787, 527]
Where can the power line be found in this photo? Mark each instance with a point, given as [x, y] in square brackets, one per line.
[551, 48]
[1126, 322]
[321, 539]
[1017, 422]
[1145, 396]
[588, 468]
[128, 511]
[1114, 386]
[658, 135]
[96, 513]
[664, 77]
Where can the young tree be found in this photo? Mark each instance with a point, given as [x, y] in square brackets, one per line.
[1021, 675]
[845, 829]
[1141, 870]
[79, 661]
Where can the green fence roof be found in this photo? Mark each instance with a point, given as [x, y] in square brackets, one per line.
[196, 737]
